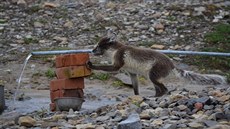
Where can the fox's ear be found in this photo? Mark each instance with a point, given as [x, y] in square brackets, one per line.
[111, 35]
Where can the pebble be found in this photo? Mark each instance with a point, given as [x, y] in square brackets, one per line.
[132, 122]
[195, 125]
[156, 46]
[26, 121]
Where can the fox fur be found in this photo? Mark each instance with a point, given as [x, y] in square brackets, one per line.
[147, 62]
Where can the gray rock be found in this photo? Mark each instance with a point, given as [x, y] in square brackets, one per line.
[210, 123]
[132, 122]
[219, 116]
[102, 118]
[195, 125]
[208, 107]
[169, 126]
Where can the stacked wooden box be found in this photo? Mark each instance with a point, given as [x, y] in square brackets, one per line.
[70, 71]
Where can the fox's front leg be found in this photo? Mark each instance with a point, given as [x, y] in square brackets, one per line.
[114, 67]
[134, 83]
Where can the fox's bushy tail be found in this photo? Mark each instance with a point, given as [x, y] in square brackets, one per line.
[212, 79]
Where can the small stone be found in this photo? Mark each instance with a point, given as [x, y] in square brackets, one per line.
[68, 24]
[144, 105]
[132, 122]
[136, 99]
[210, 123]
[143, 27]
[100, 127]
[169, 126]
[58, 116]
[216, 93]
[102, 118]
[1, 28]
[219, 116]
[156, 46]
[158, 26]
[204, 100]
[156, 15]
[176, 97]
[145, 115]
[50, 5]
[38, 24]
[198, 106]
[208, 107]
[85, 126]
[21, 2]
[224, 98]
[63, 40]
[151, 29]
[195, 125]
[157, 122]
[123, 113]
[26, 121]
[134, 39]
[220, 127]
[160, 31]
[182, 107]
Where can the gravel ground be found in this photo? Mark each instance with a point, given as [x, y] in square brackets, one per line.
[31, 25]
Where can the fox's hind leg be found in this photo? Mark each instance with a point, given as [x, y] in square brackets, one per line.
[159, 87]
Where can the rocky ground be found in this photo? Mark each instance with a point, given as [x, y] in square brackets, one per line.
[28, 25]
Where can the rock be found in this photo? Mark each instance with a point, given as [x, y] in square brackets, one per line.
[204, 100]
[26, 121]
[151, 29]
[224, 98]
[210, 123]
[176, 97]
[156, 46]
[62, 40]
[156, 15]
[182, 107]
[144, 105]
[21, 2]
[136, 99]
[158, 26]
[135, 39]
[195, 125]
[102, 118]
[50, 5]
[219, 116]
[220, 127]
[143, 27]
[169, 126]
[227, 108]
[152, 103]
[198, 106]
[199, 10]
[145, 114]
[216, 93]
[156, 122]
[208, 107]
[160, 31]
[132, 122]
[68, 24]
[38, 24]
[85, 126]
[100, 127]
[58, 116]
